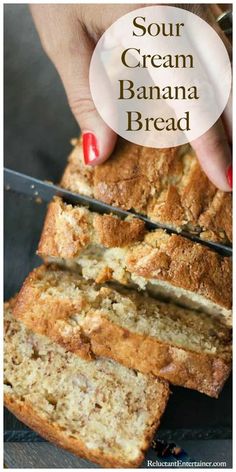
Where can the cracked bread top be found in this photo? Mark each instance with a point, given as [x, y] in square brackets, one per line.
[108, 248]
[168, 185]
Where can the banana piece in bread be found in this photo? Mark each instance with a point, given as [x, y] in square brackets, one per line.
[99, 410]
[181, 346]
[168, 185]
[106, 248]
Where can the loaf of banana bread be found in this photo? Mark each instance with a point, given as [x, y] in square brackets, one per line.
[99, 410]
[181, 346]
[168, 185]
[106, 248]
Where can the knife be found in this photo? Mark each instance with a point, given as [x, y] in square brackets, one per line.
[38, 189]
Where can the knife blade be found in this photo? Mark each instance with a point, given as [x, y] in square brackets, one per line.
[35, 188]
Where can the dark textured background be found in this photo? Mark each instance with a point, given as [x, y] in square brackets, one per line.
[38, 128]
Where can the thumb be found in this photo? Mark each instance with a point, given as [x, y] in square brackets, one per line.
[70, 49]
[98, 139]
[214, 155]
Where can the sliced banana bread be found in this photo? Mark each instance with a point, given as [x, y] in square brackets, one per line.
[99, 410]
[179, 345]
[103, 247]
[168, 185]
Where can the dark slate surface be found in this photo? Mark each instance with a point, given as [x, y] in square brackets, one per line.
[31, 455]
[38, 128]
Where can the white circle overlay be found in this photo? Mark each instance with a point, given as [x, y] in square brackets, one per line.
[160, 76]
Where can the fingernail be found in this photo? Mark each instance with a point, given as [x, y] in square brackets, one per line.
[90, 148]
[229, 175]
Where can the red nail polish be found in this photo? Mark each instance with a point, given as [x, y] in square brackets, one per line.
[229, 175]
[90, 148]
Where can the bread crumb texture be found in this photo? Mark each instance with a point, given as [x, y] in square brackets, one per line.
[168, 185]
[182, 346]
[100, 409]
[103, 248]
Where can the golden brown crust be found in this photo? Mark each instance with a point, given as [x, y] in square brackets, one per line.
[182, 263]
[104, 275]
[204, 372]
[166, 184]
[153, 256]
[68, 230]
[48, 240]
[113, 232]
[27, 309]
[218, 217]
[59, 234]
[199, 371]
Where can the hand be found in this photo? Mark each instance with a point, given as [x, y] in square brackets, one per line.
[69, 34]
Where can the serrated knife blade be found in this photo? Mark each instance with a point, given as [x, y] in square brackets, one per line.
[38, 189]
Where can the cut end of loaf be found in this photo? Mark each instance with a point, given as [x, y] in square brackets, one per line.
[105, 248]
[100, 410]
[182, 346]
[167, 185]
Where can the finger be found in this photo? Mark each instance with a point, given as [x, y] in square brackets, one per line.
[227, 119]
[70, 49]
[214, 154]
[98, 138]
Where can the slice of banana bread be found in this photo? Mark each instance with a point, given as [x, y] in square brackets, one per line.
[99, 410]
[168, 185]
[103, 247]
[179, 345]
